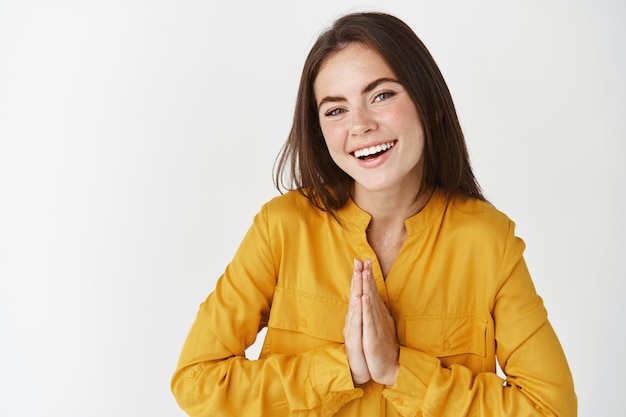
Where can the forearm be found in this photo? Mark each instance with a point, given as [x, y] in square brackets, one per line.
[535, 386]
[210, 381]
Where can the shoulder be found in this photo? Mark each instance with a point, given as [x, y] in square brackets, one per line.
[291, 207]
[479, 220]
[476, 209]
[289, 203]
[479, 231]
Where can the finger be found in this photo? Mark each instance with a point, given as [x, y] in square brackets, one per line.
[354, 319]
[377, 321]
[368, 283]
[367, 265]
[370, 325]
[353, 334]
[356, 288]
[380, 346]
[367, 318]
[358, 264]
[370, 298]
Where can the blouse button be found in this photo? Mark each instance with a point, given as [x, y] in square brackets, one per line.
[399, 401]
[446, 345]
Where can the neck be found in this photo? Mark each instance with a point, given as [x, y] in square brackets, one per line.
[389, 209]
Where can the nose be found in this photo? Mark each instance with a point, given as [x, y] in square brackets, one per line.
[363, 121]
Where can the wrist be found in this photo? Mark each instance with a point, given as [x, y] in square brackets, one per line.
[390, 377]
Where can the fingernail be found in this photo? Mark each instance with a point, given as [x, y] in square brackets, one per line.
[356, 261]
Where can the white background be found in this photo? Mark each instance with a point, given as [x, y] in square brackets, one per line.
[137, 140]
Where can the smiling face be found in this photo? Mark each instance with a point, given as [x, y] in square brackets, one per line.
[370, 124]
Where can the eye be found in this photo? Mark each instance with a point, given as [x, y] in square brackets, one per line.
[384, 96]
[333, 112]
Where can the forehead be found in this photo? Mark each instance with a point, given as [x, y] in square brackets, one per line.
[350, 67]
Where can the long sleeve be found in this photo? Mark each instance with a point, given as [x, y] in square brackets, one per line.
[459, 292]
[213, 377]
[538, 382]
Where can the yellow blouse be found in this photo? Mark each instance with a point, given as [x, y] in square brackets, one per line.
[459, 292]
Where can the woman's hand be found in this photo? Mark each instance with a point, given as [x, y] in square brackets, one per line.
[353, 328]
[380, 343]
[369, 332]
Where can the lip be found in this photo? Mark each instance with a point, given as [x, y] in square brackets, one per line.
[370, 144]
[378, 161]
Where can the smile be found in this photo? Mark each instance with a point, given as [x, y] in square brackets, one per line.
[373, 151]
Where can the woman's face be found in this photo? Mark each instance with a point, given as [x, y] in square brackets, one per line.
[370, 124]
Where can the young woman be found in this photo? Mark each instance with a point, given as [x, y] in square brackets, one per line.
[388, 285]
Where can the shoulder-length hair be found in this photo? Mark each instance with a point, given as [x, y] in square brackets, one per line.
[304, 158]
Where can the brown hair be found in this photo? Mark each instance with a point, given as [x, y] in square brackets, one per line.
[305, 157]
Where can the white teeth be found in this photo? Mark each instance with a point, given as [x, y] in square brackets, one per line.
[359, 153]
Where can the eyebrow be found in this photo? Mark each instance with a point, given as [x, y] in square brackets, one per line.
[369, 87]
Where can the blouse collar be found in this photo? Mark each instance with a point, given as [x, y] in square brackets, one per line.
[354, 218]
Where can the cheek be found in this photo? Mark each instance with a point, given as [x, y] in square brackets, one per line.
[332, 137]
[407, 119]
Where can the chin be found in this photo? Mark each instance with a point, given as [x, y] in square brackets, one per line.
[374, 187]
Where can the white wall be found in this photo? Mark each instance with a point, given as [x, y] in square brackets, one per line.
[137, 140]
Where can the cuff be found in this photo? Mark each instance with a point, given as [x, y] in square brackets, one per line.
[409, 391]
[331, 377]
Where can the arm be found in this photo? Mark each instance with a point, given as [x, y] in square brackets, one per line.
[538, 382]
[213, 377]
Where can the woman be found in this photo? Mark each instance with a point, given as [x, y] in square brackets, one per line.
[388, 285]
